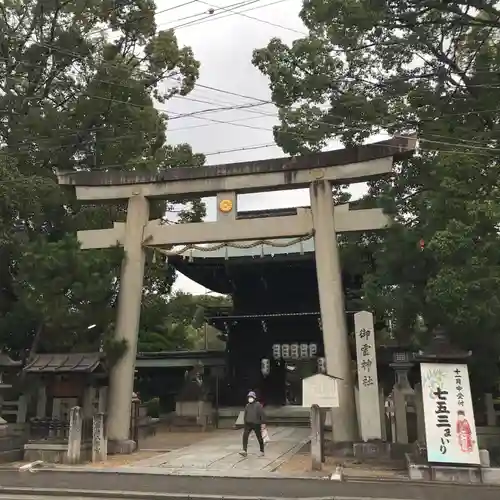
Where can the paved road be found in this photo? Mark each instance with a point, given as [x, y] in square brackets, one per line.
[282, 488]
[44, 497]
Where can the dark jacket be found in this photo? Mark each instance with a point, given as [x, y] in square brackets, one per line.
[254, 414]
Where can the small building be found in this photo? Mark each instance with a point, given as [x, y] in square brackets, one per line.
[67, 380]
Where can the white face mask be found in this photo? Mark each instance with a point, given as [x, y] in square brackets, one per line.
[251, 400]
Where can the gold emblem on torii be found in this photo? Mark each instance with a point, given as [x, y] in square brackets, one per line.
[225, 206]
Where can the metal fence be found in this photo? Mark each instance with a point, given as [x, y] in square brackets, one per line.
[58, 430]
[48, 429]
[134, 421]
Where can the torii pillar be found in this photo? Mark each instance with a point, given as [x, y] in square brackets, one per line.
[333, 316]
[127, 326]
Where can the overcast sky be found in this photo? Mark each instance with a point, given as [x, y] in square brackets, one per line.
[223, 43]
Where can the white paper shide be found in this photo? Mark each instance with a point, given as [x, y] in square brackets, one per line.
[450, 428]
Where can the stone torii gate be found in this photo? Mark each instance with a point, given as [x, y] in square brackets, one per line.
[317, 171]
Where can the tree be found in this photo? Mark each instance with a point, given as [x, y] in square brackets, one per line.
[79, 82]
[178, 323]
[62, 295]
[399, 67]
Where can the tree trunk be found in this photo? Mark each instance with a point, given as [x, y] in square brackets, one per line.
[36, 342]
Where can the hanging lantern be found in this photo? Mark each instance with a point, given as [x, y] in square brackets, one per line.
[321, 365]
[313, 350]
[265, 367]
[276, 351]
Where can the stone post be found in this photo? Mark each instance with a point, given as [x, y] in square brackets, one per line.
[88, 402]
[22, 409]
[99, 443]
[102, 397]
[419, 410]
[56, 408]
[316, 438]
[484, 457]
[127, 326]
[333, 320]
[383, 420]
[4, 427]
[369, 399]
[41, 402]
[491, 414]
[75, 435]
[356, 400]
[400, 390]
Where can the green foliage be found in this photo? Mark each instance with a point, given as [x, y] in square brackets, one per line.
[62, 291]
[153, 407]
[171, 323]
[78, 85]
[423, 67]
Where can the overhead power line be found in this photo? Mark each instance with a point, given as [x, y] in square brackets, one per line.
[206, 14]
[263, 21]
[214, 17]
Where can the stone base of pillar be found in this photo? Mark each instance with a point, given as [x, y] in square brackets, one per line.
[121, 447]
[341, 448]
[373, 449]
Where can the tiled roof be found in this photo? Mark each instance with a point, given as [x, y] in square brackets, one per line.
[64, 363]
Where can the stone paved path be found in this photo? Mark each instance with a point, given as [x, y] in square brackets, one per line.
[219, 455]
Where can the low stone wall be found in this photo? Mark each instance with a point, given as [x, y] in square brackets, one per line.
[451, 474]
[11, 448]
[54, 453]
[193, 408]
[196, 415]
[381, 450]
[148, 427]
[12, 439]
[488, 437]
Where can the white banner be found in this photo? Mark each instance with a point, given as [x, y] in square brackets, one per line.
[450, 429]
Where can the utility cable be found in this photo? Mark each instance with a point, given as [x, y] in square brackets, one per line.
[264, 21]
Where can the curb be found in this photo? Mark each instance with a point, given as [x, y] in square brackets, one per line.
[337, 476]
[160, 471]
[419, 482]
[134, 495]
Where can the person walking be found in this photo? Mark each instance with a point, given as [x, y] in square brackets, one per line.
[254, 418]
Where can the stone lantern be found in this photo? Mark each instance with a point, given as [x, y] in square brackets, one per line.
[401, 392]
[440, 348]
[8, 370]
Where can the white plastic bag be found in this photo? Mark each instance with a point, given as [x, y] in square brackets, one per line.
[265, 435]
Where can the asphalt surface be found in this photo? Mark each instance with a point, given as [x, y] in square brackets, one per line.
[227, 487]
